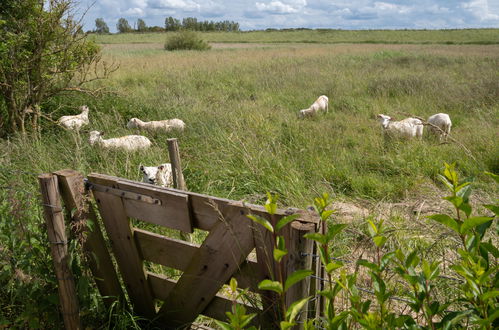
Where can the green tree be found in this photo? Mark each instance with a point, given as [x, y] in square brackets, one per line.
[101, 26]
[172, 24]
[122, 26]
[190, 23]
[141, 25]
[42, 54]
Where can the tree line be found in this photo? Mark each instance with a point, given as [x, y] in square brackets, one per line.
[171, 24]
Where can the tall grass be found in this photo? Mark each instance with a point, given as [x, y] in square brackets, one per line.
[243, 137]
[458, 36]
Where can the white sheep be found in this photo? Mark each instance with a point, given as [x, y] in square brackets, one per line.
[128, 142]
[321, 104]
[406, 128]
[160, 175]
[444, 124]
[157, 125]
[75, 122]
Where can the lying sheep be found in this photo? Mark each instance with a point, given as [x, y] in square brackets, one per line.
[321, 104]
[406, 128]
[158, 125]
[129, 142]
[161, 175]
[75, 122]
[443, 125]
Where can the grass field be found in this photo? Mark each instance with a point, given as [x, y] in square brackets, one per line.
[243, 137]
[470, 36]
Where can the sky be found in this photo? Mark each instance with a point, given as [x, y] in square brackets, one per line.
[337, 14]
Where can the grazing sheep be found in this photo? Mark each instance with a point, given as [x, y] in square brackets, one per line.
[442, 121]
[321, 104]
[158, 125]
[161, 175]
[129, 142]
[406, 128]
[75, 122]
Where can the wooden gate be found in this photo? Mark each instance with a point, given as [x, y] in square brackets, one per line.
[234, 247]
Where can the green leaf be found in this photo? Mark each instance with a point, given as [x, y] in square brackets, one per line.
[493, 176]
[333, 266]
[380, 240]
[279, 254]
[365, 263]
[285, 220]
[262, 221]
[295, 308]
[335, 229]
[271, 203]
[491, 248]
[493, 208]
[490, 295]
[447, 221]
[445, 182]
[284, 325]
[473, 222]
[373, 230]
[296, 277]
[223, 325]
[326, 214]
[233, 284]
[270, 286]
[281, 243]
[319, 238]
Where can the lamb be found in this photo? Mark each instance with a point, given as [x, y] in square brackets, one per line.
[406, 128]
[160, 175]
[158, 125]
[444, 124]
[128, 143]
[75, 122]
[321, 104]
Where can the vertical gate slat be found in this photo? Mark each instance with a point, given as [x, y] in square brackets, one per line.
[125, 250]
[220, 255]
[72, 190]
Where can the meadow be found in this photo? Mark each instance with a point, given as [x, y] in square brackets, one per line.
[243, 135]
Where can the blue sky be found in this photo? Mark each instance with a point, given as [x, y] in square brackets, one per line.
[338, 14]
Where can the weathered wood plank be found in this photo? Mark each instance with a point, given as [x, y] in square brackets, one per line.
[177, 254]
[178, 176]
[205, 210]
[127, 256]
[220, 255]
[173, 211]
[59, 249]
[73, 193]
[216, 309]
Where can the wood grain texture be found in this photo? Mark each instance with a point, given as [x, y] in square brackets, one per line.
[99, 260]
[56, 231]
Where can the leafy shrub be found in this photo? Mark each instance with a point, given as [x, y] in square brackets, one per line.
[185, 40]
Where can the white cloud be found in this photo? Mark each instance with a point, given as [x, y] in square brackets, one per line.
[343, 14]
[174, 4]
[480, 9]
[278, 7]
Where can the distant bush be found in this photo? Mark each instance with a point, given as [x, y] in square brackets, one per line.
[186, 40]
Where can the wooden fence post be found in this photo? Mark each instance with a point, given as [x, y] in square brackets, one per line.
[59, 250]
[178, 176]
[73, 193]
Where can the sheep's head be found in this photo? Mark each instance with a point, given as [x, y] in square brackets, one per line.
[384, 119]
[132, 123]
[84, 108]
[149, 173]
[95, 136]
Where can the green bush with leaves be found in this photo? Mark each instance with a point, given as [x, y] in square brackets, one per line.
[186, 40]
[399, 275]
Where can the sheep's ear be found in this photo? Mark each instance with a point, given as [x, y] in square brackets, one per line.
[101, 133]
[141, 168]
[161, 167]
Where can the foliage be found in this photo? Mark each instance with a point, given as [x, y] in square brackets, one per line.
[101, 26]
[192, 23]
[281, 285]
[141, 25]
[186, 40]
[42, 54]
[237, 316]
[123, 26]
